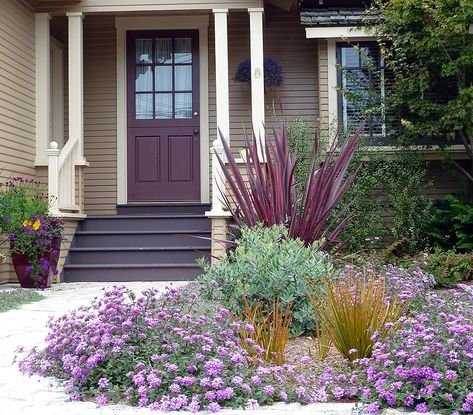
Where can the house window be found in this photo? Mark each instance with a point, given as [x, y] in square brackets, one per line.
[363, 81]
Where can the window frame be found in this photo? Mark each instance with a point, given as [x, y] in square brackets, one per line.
[339, 45]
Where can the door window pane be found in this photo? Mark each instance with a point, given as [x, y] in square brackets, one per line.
[163, 76]
[183, 107]
[163, 110]
[144, 79]
[144, 106]
[183, 78]
[144, 51]
[163, 50]
[183, 50]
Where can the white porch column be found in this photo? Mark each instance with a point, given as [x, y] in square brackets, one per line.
[76, 80]
[222, 104]
[43, 87]
[257, 73]
[221, 71]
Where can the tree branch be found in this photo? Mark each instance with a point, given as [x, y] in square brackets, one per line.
[467, 143]
[468, 175]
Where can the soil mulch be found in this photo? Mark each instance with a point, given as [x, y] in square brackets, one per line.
[299, 347]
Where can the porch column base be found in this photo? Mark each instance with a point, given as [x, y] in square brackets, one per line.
[219, 233]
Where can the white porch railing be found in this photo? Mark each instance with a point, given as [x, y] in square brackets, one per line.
[62, 177]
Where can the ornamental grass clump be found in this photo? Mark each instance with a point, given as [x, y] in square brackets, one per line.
[266, 330]
[355, 311]
[265, 192]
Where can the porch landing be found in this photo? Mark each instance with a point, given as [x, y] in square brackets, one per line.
[140, 243]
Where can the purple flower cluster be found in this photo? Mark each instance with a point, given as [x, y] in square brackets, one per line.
[409, 284]
[427, 365]
[166, 353]
[273, 72]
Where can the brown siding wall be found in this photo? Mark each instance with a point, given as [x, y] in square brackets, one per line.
[100, 109]
[17, 96]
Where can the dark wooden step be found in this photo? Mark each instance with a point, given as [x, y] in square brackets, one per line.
[130, 272]
[163, 208]
[138, 238]
[144, 255]
[164, 222]
[141, 243]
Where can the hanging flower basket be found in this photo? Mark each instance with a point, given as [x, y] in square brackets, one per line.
[273, 73]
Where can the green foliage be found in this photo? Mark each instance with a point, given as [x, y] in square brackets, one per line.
[25, 220]
[428, 47]
[10, 300]
[301, 138]
[265, 266]
[452, 224]
[389, 202]
[356, 311]
[449, 268]
[20, 199]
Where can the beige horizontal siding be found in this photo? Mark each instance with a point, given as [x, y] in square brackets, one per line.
[17, 97]
[100, 115]
[70, 226]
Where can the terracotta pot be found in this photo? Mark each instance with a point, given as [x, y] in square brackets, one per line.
[21, 262]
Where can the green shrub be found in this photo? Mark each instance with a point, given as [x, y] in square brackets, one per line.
[449, 267]
[300, 136]
[390, 204]
[452, 224]
[265, 266]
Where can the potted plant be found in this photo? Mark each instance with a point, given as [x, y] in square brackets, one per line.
[273, 73]
[34, 237]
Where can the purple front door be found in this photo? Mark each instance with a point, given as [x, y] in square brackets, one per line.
[163, 116]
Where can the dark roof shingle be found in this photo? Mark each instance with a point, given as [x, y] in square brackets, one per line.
[352, 16]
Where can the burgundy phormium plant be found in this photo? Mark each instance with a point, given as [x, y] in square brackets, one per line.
[270, 196]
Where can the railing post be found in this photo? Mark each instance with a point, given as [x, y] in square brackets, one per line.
[53, 177]
[218, 179]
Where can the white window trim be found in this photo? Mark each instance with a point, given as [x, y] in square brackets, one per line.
[123, 24]
[339, 32]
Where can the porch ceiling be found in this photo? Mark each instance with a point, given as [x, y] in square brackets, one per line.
[129, 6]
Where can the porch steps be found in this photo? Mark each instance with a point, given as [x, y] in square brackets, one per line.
[140, 243]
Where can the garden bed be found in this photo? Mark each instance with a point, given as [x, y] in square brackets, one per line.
[176, 352]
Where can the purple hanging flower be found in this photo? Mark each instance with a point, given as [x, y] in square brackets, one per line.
[273, 73]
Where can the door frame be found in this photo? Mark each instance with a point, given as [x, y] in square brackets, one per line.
[124, 24]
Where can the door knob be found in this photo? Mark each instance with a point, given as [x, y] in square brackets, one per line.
[196, 131]
[196, 114]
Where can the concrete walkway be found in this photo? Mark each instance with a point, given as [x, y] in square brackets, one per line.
[22, 395]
